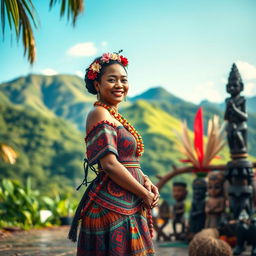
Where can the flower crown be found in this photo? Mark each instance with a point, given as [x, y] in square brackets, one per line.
[95, 67]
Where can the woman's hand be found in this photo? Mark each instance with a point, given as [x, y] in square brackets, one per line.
[148, 199]
[152, 188]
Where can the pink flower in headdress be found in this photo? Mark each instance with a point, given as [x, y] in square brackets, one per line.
[106, 57]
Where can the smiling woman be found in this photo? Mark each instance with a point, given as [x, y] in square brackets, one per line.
[115, 209]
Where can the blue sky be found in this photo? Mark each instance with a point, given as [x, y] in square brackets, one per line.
[185, 46]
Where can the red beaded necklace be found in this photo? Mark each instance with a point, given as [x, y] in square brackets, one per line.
[126, 124]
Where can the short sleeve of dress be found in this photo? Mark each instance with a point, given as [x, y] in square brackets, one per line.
[101, 140]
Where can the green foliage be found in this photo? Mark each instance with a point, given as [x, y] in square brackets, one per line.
[50, 150]
[60, 206]
[21, 206]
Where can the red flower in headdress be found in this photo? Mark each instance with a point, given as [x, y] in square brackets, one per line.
[124, 60]
[92, 75]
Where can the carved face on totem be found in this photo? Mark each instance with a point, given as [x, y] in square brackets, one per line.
[215, 184]
[234, 87]
[179, 191]
[235, 84]
[199, 189]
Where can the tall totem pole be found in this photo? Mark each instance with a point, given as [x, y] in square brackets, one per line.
[239, 170]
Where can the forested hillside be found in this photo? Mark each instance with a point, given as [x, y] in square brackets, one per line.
[50, 150]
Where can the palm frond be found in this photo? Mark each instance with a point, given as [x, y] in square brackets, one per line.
[20, 14]
[71, 7]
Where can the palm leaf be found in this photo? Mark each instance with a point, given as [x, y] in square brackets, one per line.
[20, 13]
[71, 7]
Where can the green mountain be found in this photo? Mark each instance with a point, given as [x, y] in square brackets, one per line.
[41, 115]
[175, 106]
[156, 94]
[251, 104]
[50, 150]
[61, 95]
[183, 110]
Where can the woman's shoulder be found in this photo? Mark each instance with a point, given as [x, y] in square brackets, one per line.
[97, 116]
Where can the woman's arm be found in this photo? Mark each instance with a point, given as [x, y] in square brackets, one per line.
[121, 176]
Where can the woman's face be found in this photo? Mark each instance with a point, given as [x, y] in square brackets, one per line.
[113, 85]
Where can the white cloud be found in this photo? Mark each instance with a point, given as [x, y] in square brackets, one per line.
[224, 80]
[49, 72]
[208, 90]
[82, 49]
[79, 73]
[247, 70]
[250, 89]
[104, 43]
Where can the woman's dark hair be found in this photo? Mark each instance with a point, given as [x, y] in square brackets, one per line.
[89, 82]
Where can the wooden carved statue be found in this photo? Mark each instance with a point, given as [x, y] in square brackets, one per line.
[215, 204]
[197, 212]
[236, 114]
[239, 171]
[179, 192]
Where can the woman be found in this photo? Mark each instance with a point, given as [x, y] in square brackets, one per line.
[113, 216]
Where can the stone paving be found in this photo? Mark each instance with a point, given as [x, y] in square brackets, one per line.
[53, 242]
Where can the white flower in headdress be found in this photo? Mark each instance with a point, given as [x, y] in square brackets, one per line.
[115, 56]
[96, 67]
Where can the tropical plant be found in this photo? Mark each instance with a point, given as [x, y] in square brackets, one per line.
[23, 207]
[21, 14]
[198, 154]
[60, 206]
[19, 206]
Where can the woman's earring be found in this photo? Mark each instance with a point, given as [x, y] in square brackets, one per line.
[98, 95]
[125, 98]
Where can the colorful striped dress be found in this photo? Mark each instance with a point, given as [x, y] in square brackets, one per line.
[113, 222]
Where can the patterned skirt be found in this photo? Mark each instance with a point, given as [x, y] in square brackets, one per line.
[107, 233]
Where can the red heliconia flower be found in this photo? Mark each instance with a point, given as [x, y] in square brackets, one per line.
[124, 61]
